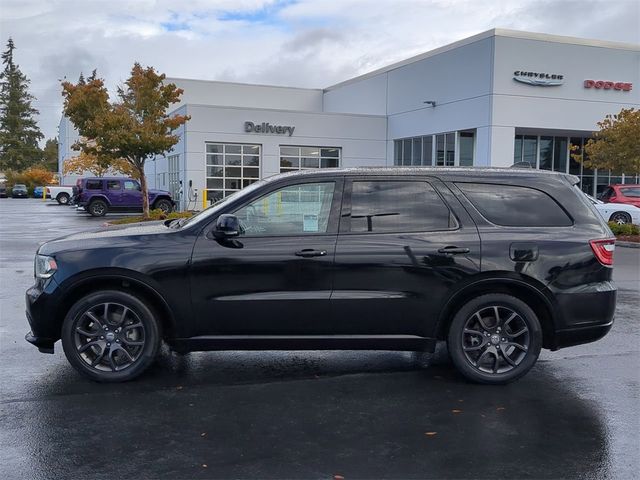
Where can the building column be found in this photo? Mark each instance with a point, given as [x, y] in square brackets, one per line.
[494, 146]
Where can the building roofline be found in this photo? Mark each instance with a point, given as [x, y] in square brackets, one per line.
[242, 84]
[494, 32]
[281, 110]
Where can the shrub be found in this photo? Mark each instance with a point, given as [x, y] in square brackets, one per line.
[626, 229]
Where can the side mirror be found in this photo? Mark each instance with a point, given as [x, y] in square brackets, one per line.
[227, 226]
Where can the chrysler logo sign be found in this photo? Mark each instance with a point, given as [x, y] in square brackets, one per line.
[540, 79]
[266, 127]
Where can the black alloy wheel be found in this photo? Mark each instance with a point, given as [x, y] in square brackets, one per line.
[98, 208]
[495, 338]
[621, 218]
[110, 336]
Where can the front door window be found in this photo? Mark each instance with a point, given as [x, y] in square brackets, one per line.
[294, 210]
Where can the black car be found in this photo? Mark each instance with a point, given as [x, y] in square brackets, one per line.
[3, 191]
[19, 191]
[499, 263]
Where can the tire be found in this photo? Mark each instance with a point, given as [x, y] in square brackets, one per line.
[474, 355]
[94, 336]
[621, 218]
[97, 208]
[63, 198]
[164, 205]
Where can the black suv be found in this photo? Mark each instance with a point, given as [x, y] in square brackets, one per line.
[499, 263]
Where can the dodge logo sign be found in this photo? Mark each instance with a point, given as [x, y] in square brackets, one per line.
[540, 79]
[607, 85]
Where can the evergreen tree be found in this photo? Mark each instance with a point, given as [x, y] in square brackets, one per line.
[19, 132]
[50, 155]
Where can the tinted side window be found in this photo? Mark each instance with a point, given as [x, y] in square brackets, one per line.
[513, 206]
[113, 185]
[631, 192]
[94, 185]
[131, 185]
[392, 206]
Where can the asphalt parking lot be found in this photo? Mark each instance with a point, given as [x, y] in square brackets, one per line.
[309, 414]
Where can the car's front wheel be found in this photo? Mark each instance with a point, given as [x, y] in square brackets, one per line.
[97, 208]
[110, 336]
[621, 218]
[494, 339]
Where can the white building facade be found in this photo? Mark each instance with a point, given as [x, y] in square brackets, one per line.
[494, 99]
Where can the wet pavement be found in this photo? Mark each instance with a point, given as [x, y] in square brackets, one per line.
[309, 414]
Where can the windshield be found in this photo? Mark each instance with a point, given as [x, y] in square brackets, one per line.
[215, 207]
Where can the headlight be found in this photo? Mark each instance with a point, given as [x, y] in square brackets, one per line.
[45, 266]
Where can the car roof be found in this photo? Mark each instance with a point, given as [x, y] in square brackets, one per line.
[453, 173]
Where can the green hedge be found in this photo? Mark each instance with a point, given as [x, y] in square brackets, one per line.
[626, 229]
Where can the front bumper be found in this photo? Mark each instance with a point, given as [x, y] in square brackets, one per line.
[41, 305]
[45, 345]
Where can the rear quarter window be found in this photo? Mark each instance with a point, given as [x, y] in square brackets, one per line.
[630, 192]
[94, 185]
[515, 206]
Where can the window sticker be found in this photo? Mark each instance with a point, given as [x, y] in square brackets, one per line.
[310, 223]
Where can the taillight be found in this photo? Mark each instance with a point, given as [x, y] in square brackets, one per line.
[603, 250]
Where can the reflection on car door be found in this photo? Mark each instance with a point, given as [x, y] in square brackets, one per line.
[400, 251]
[132, 194]
[275, 278]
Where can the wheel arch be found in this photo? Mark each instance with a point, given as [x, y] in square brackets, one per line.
[521, 289]
[118, 281]
[93, 198]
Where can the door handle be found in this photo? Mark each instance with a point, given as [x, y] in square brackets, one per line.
[453, 250]
[310, 252]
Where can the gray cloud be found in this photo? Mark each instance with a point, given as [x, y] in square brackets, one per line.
[308, 43]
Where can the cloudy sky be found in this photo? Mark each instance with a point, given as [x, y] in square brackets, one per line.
[305, 43]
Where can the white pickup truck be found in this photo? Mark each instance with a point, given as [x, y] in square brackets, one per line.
[60, 193]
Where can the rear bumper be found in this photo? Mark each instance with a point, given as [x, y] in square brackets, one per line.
[585, 315]
[578, 336]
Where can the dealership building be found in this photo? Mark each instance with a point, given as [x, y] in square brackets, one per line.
[497, 98]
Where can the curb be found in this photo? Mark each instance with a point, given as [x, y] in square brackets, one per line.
[628, 244]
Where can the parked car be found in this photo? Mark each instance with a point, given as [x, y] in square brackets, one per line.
[498, 263]
[3, 191]
[621, 213]
[19, 190]
[101, 195]
[60, 193]
[38, 191]
[622, 193]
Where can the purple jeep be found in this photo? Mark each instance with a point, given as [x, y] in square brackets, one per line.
[101, 195]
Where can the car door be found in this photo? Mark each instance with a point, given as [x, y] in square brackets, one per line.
[131, 194]
[115, 193]
[404, 244]
[275, 278]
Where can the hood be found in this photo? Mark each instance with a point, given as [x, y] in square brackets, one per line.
[153, 191]
[106, 236]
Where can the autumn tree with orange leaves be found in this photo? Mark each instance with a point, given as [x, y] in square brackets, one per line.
[132, 129]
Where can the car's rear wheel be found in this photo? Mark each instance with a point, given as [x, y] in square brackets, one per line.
[621, 218]
[110, 336]
[164, 205]
[63, 198]
[97, 208]
[494, 339]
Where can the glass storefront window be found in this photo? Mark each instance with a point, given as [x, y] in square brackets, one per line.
[560, 154]
[230, 167]
[529, 150]
[303, 158]
[466, 149]
[575, 149]
[546, 153]
[517, 149]
[420, 150]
